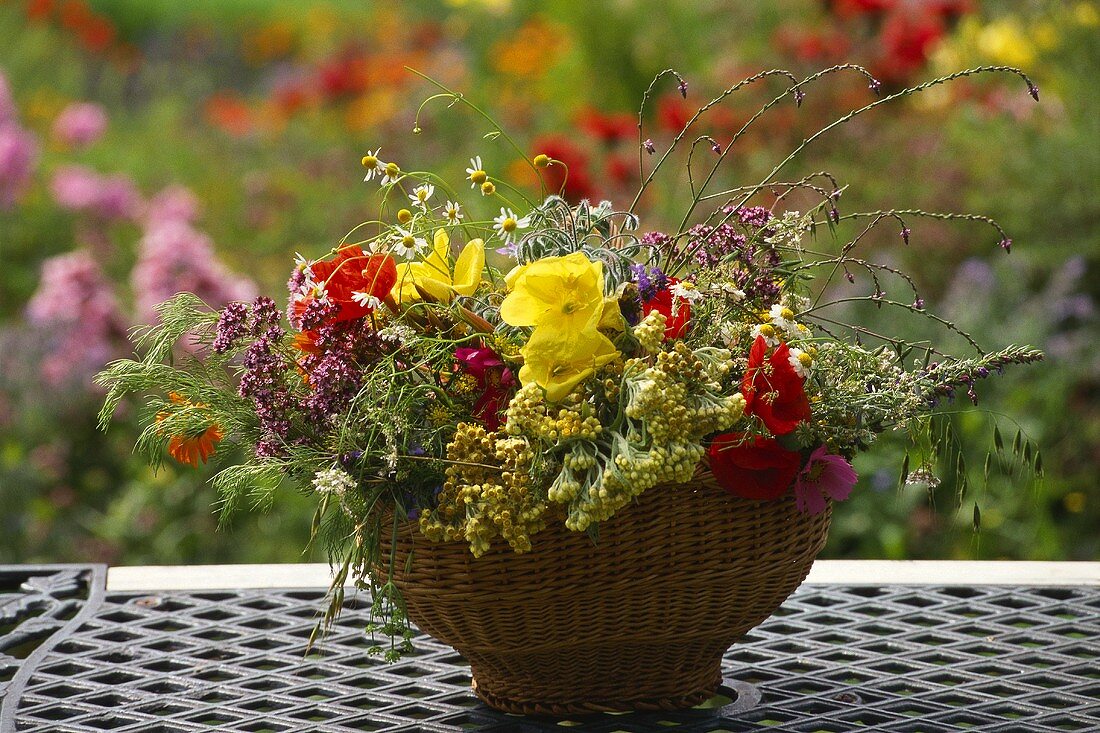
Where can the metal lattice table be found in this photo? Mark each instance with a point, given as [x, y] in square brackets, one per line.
[75, 658]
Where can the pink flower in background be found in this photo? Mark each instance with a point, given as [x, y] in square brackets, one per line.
[175, 257]
[823, 475]
[81, 189]
[18, 156]
[7, 104]
[172, 203]
[77, 317]
[80, 124]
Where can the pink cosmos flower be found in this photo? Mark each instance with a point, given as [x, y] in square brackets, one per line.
[823, 475]
[80, 124]
[18, 155]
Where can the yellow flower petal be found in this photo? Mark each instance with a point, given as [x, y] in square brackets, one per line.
[611, 318]
[438, 258]
[559, 361]
[469, 266]
[513, 275]
[562, 292]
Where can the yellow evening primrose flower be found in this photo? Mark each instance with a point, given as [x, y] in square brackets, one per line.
[434, 275]
[558, 361]
[563, 293]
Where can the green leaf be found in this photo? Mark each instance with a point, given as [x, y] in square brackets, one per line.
[904, 472]
[998, 441]
[977, 519]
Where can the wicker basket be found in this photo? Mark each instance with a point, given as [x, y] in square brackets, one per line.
[638, 621]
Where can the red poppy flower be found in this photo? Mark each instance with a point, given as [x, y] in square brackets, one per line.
[757, 468]
[773, 390]
[351, 272]
[676, 324]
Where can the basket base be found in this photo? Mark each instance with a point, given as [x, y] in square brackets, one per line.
[676, 699]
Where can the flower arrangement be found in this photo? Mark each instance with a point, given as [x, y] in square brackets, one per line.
[482, 378]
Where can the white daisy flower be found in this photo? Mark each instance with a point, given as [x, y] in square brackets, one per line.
[476, 174]
[768, 332]
[421, 194]
[306, 267]
[366, 299]
[407, 244]
[782, 317]
[507, 224]
[453, 212]
[391, 174]
[687, 291]
[800, 360]
[374, 165]
[730, 290]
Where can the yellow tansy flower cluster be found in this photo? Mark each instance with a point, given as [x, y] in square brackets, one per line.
[487, 493]
[672, 404]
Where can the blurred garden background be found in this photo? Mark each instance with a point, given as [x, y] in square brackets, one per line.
[154, 146]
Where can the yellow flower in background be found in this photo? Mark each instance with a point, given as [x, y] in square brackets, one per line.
[531, 50]
[1005, 42]
[434, 275]
[561, 293]
[1086, 14]
[558, 361]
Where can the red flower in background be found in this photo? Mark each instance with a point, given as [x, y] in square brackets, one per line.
[493, 379]
[773, 390]
[674, 112]
[676, 324]
[907, 40]
[757, 468]
[622, 170]
[608, 128]
[850, 8]
[574, 186]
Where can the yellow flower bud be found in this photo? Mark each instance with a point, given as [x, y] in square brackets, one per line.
[541, 160]
[404, 216]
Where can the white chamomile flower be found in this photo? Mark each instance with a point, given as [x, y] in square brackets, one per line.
[729, 290]
[374, 165]
[408, 244]
[800, 361]
[306, 267]
[687, 291]
[421, 194]
[507, 224]
[782, 317]
[767, 331]
[453, 212]
[391, 174]
[476, 174]
[366, 299]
